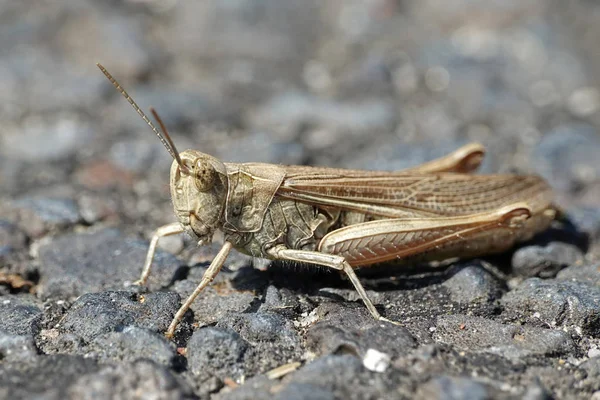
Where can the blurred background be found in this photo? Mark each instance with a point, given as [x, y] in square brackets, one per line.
[374, 84]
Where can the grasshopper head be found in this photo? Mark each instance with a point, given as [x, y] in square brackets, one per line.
[198, 181]
[199, 192]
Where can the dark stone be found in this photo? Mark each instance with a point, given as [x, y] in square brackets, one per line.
[19, 316]
[344, 334]
[79, 263]
[472, 283]
[215, 301]
[141, 379]
[19, 349]
[452, 388]
[545, 261]
[268, 333]
[216, 352]
[38, 215]
[569, 305]
[96, 314]
[588, 274]
[50, 378]
[304, 391]
[131, 344]
[478, 334]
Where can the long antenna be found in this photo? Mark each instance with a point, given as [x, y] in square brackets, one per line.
[163, 136]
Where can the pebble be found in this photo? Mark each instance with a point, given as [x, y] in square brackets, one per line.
[588, 274]
[347, 332]
[17, 349]
[140, 379]
[19, 316]
[571, 306]
[38, 215]
[78, 263]
[51, 377]
[114, 311]
[545, 261]
[217, 352]
[472, 283]
[476, 334]
[448, 387]
[131, 344]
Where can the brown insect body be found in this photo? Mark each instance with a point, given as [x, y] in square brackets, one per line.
[260, 206]
[343, 219]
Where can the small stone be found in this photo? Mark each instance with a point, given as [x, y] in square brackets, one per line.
[18, 349]
[95, 314]
[345, 332]
[216, 352]
[472, 283]
[594, 352]
[95, 208]
[545, 261]
[303, 391]
[447, 387]
[78, 263]
[19, 316]
[588, 274]
[215, 301]
[142, 379]
[476, 334]
[51, 377]
[376, 361]
[570, 305]
[131, 344]
[38, 215]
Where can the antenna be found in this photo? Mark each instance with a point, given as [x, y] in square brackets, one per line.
[163, 136]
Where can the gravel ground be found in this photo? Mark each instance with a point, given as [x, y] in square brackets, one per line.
[379, 84]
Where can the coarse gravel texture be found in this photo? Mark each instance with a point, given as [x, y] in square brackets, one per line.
[383, 84]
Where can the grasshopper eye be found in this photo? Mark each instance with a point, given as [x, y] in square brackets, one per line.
[205, 175]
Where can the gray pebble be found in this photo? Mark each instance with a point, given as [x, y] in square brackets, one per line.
[78, 263]
[142, 379]
[345, 334]
[19, 316]
[95, 314]
[476, 334]
[304, 391]
[50, 378]
[472, 283]
[216, 352]
[130, 344]
[452, 388]
[545, 261]
[38, 215]
[262, 327]
[570, 305]
[213, 304]
[587, 273]
[18, 349]
[267, 333]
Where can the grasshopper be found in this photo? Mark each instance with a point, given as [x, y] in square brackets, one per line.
[344, 219]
